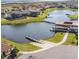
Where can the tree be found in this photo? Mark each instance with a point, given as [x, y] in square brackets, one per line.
[14, 52]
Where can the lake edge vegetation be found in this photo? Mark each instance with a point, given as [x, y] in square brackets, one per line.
[73, 16]
[21, 46]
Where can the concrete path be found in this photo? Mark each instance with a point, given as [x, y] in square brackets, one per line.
[46, 45]
[64, 39]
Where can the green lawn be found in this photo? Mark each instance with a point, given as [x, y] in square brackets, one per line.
[25, 20]
[73, 16]
[56, 38]
[71, 40]
[21, 47]
[73, 9]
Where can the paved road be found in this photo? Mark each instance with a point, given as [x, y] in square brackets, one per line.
[58, 52]
[55, 52]
[47, 47]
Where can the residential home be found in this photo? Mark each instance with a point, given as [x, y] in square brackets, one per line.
[22, 13]
[34, 13]
[6, 48]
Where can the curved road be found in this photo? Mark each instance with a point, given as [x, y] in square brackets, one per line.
[46, 49]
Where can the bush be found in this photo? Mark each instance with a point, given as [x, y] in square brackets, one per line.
[14, 52]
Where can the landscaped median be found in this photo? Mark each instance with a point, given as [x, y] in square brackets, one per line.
[72, 39]
[20, 46]
[26, 20]
[56, 38]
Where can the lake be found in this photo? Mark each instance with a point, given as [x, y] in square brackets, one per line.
[39, 30]
[34, 30]
[59, 16]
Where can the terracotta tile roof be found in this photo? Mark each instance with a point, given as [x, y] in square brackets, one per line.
[5, 47]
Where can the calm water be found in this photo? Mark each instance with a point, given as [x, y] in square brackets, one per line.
[59, 15]
[34, 30]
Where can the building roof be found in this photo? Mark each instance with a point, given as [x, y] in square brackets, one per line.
[24, 11]
[5, 47]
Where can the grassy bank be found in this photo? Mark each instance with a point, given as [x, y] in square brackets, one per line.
[56, 38]
[71, 39]
[26, 20]
[73, 16]
[22, 47]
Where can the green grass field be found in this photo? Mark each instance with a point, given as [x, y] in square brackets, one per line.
[71, 40]
[56, 38]
[21, 47]
[73, 16]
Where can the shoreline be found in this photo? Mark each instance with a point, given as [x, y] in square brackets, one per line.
[25, 20]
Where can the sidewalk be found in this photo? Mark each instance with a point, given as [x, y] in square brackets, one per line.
[43, 44]
[46, 45]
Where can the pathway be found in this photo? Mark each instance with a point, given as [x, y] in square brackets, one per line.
[43, 44]
[46, 45]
